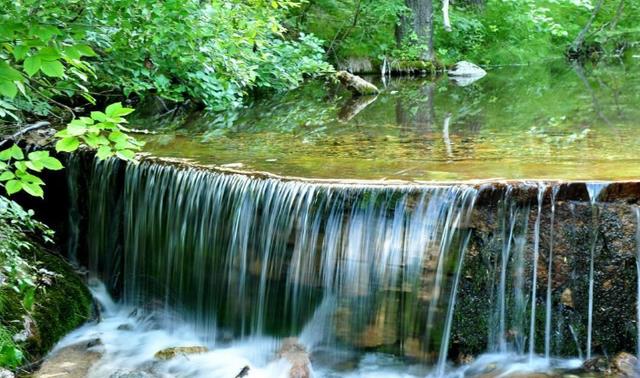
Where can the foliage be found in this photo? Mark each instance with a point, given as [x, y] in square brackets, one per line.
[42, 57]
[17, 275]
[102, 131]
[59, 54]
[489, 32]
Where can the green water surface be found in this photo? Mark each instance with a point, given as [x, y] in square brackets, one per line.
[545, 121]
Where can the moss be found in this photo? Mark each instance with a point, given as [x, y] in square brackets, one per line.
[62, 307]
[416, 66]
[58, 307]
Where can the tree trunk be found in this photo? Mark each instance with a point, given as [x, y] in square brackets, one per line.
[577, 44]
[445, 15]
[420, 23]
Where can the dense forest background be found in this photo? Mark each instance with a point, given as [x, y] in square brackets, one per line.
[60, 57]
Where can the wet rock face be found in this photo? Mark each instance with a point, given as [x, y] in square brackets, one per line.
[564, 254]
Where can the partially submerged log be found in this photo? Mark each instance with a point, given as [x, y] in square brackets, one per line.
[356, 84]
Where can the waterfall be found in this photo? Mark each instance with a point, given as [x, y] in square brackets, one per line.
[594, 190]
[548, 309]
[346, 268]
[534, 282]
[260, 256]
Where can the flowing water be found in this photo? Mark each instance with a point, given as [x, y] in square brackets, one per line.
[537, 122]
[368, 278]
[372, 278]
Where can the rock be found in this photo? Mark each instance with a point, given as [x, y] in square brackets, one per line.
[4, 373]
[29, 330]
[624, 365]
[296, 354]
[464, 73]
[73, 361]
[169, 353]
[597, 364]
[356, 84]
[466, 69]
[243, 373]
[233, 165]
[125, 327]
[124, 373]
[567, 298]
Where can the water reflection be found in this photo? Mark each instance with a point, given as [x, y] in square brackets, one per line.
[545, 121]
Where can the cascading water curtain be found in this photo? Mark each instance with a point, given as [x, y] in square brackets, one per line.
[346, 266]
[261, 256]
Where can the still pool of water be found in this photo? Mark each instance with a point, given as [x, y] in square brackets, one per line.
[553, 121]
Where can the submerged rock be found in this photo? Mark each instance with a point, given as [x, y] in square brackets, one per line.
[296, 354]
[169, 353]
[124, 373]
[356, 84]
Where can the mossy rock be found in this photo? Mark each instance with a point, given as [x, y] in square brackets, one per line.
[169, 353]
[58, 308]
[416, 66]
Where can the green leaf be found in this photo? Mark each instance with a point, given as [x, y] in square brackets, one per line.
[35, 165]
[13, 186]
[68, 144]
[52, 163]
[32, 64]
[52, 68]
[8, 88]
[76, 129]
[126, 154]
[117, 110]
[9, 73]
[6, 176]
[38, 155]
[21, 166]
[99, 116]
[16, 152]
[20, 51]
[85, 50]
[117, 136]
[33, 188]
[104, 152]
[49, 54]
